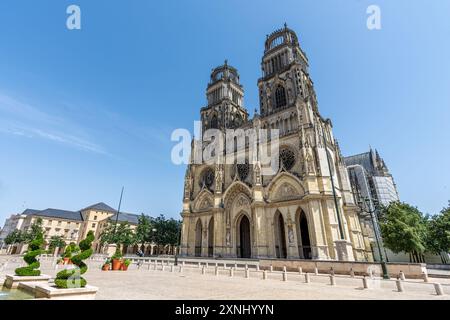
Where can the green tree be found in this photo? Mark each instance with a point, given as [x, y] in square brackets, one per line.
[438, 237]
[167, 231]
[15, 237]
[56, 242]
[172, 231]
[35, 231]
[122, 235]
[403, 228]
[144, 230]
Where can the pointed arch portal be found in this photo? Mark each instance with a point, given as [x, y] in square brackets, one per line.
[243, 244]
[280, 236]
[304, 246]
[211, 238]
[198, 239]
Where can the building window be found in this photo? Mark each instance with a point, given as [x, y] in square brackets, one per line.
[95, 217]
[287, 158]
[214, 123]
[280, 97]
[207, 178]
[93, 225]
[242, 170]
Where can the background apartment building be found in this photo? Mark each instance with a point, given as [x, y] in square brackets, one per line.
[72, 226]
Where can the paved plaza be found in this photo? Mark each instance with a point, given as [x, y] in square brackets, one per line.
[149, 284]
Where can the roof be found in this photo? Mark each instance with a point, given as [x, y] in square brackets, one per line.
[126, 217]
[363, 159]
[57, 213]
[101, 206]
[30, 211]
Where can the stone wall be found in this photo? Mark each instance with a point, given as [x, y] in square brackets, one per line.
[411, 270]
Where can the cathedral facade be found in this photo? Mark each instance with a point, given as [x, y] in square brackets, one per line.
[306, 209]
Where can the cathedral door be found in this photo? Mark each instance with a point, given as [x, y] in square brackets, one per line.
[244, 245]
[198, 239]
[211, 238]
[304, 233]
[280, 237]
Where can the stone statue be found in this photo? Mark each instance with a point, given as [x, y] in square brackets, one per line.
[257, 172]
[187, 185]
[219, 180]
[291, 235]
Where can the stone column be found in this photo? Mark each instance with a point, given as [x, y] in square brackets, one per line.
[184, 236]
[205, 236]
[260, 232]
[319, 247]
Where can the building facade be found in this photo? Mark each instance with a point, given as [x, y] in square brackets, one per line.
[370, 177]
[306, 208]
[14, 222]
[72, 226]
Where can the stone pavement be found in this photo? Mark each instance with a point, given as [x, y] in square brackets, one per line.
[146, 283]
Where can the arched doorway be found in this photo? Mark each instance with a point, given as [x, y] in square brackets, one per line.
[198, 238]
[304, 242]
[211, 238]
[243, 243]
[280, 236]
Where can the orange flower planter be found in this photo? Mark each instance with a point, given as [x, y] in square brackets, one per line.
[116, 264]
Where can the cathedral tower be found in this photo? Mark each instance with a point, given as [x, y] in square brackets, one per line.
[225, 97]
[306, 210]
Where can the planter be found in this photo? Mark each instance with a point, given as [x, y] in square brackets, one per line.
[66, 260]
[116, 264]
[105, 267]
[124, 267]
[46, 291]
[12, 281]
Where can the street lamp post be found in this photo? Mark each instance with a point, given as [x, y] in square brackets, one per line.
[372, 210]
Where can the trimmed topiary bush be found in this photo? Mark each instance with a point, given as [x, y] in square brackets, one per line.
[71, 278]
[34, 249]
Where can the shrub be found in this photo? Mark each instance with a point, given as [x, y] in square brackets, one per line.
[71, 249]
[127, 262]
[33, 251]
[71, 278]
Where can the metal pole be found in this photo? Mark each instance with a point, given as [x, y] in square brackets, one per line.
[372, 211]
[341, 230]
[379, 243]
[118, 211]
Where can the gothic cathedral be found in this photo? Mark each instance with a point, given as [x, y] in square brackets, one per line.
[304, 211]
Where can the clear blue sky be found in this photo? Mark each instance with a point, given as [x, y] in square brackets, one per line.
[84, 112]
